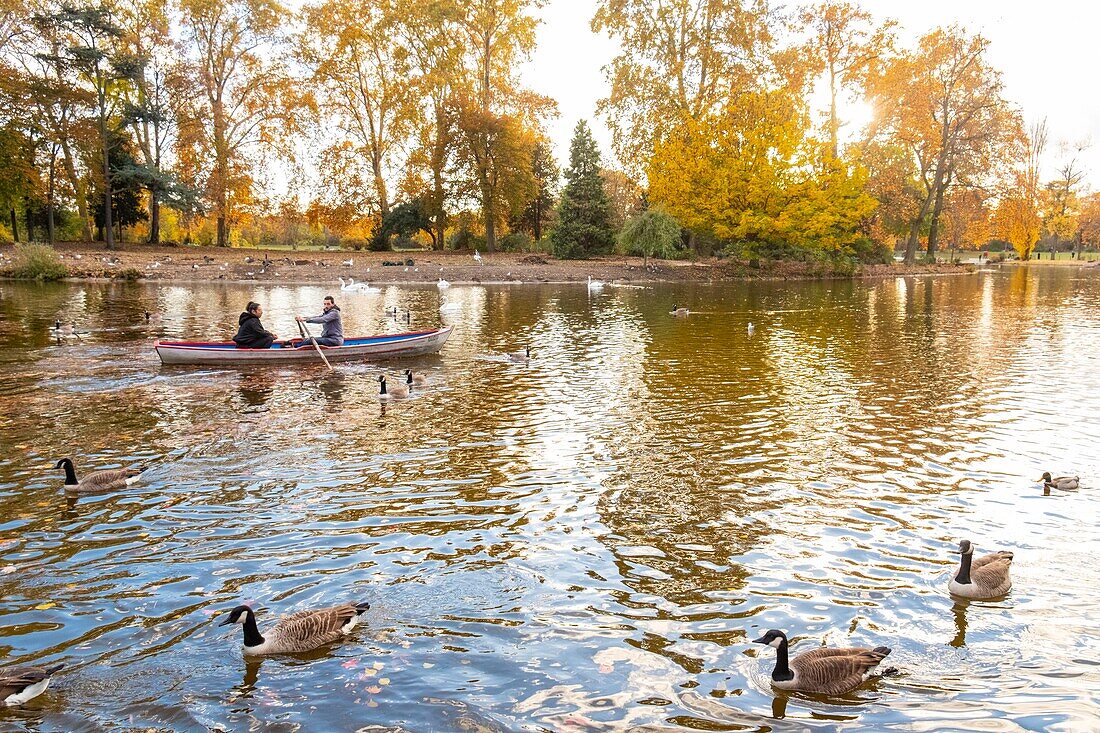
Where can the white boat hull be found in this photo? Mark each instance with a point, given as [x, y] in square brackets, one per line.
[390, 346]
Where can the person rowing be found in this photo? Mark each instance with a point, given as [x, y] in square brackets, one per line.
[251, 333]
[332, 327]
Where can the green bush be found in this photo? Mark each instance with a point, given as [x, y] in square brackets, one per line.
[37, 262]
[652, 233]
[516, 242]
[130, 274]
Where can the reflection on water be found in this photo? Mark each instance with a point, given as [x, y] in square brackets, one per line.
[583, 542]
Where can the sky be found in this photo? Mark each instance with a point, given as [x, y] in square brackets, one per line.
[1048, 52]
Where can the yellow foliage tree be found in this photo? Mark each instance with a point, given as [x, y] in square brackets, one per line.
[749, 175]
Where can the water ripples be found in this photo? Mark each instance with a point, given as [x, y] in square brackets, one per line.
[587, 541]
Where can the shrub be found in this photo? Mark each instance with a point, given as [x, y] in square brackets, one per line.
[516, 242]
[130, 274]
[37, 262]
[652, 233]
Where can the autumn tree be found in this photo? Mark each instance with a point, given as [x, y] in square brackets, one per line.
[1018, 216]
[1090, 220]
[89, 45]
[944, 104]
[540, 211]
[247, 98]
[584, 214]
[624, 195]
[430, 33]
[748, 175]
[845, 44]
[1062, 210]
[678, 59]
[364, 80]
[494, 110]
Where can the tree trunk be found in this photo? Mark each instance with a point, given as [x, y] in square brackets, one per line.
[14, 226]
[154, 218]
[50, 231]
[28, 218]
[834, 123]
[490, 227]
[934, 226]
[538, 218]
[914, 227]
[78, 187]
[108, 204]
[221, 172]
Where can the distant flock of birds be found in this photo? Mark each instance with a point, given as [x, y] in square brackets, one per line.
[835, 671]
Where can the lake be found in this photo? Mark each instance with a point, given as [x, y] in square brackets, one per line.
[586, 542]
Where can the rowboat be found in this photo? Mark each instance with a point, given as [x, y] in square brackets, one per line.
[388, 346]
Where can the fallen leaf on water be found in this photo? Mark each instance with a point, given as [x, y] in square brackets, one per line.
[44, 606]
[350, 664]
[428, 665]
[383, 680]
[378, 665]
[374, 689]
[8, 569]
[371, 704]
[369, 673]
[606, 669]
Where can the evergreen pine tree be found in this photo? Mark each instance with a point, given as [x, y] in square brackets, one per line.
[584, 214]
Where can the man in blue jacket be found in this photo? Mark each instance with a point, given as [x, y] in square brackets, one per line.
[332, 328]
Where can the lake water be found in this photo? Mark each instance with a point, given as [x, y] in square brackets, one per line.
[587, 542]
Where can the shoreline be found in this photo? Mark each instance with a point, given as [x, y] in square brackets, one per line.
[185, 264]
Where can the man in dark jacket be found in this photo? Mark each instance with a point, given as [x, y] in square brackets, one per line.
[251, 334]
[332, 330]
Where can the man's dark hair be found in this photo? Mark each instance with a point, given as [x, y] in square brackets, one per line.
[252, 306]
[330, 299]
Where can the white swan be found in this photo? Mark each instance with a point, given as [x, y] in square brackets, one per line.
[443, 284]
[354, 287]
[446, 307]
[594, 284]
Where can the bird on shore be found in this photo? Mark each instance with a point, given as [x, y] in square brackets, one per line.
[981, 578]
[678, 311]
[1066, 483]
[395, 391]
[109, 479]
[416, 378]
[520, 356]
[827, 671]
[477, 257]
[20, 684]
[349, 262]
[299, 632]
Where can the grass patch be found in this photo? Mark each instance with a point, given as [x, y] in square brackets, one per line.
[37, 262]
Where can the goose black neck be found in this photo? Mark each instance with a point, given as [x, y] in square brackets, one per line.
[410, 378]
[252, 635]
[70, 473]
[964, 568]
[782, 669]
[383, 383]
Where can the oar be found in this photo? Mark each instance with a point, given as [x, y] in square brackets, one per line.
[307, 335]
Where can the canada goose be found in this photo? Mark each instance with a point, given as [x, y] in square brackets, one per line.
[106, 480]
[443, 284]
[1065, 483]
[828, 671]
[678, 311]
[986, 577]
[414, 379]
[520, 355]
[299, 632]
[594, 284]
[19, 684]
[396, 391]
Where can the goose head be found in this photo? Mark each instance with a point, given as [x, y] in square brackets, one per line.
[965, 548]
[774, 638]
[238, 615]
[64, 463]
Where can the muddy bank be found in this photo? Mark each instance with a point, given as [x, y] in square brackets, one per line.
[209, 264]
